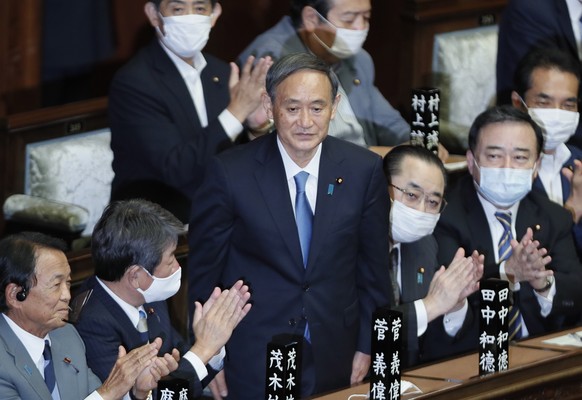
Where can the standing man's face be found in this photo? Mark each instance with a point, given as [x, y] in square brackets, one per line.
[302, 110]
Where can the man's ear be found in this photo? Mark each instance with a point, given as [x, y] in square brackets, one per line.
[516, 101]
[12, 289]
[151, 12]
[338, 98]
[309, 18]
[132, 275]
[267, 105]
[470, 162]
[216, 11]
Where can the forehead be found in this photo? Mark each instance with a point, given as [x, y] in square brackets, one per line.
[349, 5]
[508, 136]
[51, 263]
[551, 80]
[304, 85]
[419, 172]
[166, 3]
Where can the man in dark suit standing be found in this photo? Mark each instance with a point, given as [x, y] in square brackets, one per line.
[303, 218]
[42, 356]
[423, 291]
[525, 237]
[133, 248]
[529, 24]
[172, 107]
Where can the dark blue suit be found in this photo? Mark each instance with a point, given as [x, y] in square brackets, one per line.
[158, 144]
[527, 24]
[104, 326]
[538, 186]
[243, 225]
[464, 224]
[418, 265]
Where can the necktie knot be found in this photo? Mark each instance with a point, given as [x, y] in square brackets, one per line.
[300, 181]
[142, 325]
[504, 218]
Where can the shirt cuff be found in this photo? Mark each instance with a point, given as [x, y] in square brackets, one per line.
[217, 362]
[197, 363]
[230, 124]
[421, 317]
[96, 396]
[454, 321]
[546, 302]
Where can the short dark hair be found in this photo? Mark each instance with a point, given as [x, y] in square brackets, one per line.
[18, 255]
[132, 232]
[545, 58]
[500, 114]
[393, 160]
[297, 6]
[294, 62]
[157, 2]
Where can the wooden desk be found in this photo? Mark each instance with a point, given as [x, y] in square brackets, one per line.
[537, 371]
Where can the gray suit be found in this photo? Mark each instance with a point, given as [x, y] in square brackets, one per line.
[21, 379]
[382, 124]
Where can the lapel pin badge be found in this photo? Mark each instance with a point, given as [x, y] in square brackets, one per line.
[420, 276]
[330, 188]
[340, 180]
[215, 79]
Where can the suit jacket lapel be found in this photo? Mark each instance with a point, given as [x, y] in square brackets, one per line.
[478, 225]
[566, 24]
[171, 78]
[272, 182]
[22, 361]
[211, 85]
[131, 334]
[329, 195]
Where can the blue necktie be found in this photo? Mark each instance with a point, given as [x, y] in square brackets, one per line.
[504, 248]
[49, 371]
[303, 215]
[142, 326]
[304, 220]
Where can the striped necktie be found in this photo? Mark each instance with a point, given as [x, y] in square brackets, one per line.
[504, 248]
[394, 274]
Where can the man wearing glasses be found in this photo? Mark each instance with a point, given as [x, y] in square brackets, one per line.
[423, 291]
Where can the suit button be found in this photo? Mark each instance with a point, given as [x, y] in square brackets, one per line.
[292, 322]
[306, 287]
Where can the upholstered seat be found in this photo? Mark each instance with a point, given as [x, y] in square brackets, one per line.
[464, 70]
[67, 183]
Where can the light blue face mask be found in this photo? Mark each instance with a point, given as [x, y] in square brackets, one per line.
[504, 187]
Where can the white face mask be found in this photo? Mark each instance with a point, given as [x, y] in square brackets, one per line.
[408, 224]
[347, 42]
[162, 288]
[185, 34]
[557, 125]
[504, 187]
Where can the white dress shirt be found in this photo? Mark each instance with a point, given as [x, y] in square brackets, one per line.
[191, 76]
[496, 230]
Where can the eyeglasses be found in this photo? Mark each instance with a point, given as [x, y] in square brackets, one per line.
[414, 197]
